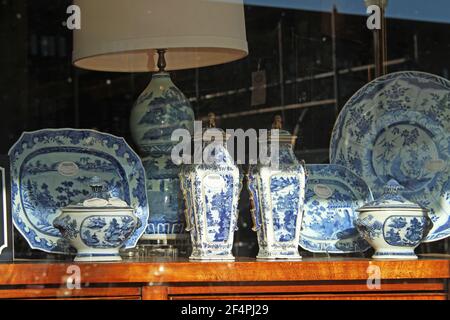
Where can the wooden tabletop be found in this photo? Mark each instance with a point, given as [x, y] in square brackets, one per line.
[156, 271]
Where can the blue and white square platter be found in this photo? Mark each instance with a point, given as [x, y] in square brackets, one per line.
[333, 194]
[51, 169]
[398, 127]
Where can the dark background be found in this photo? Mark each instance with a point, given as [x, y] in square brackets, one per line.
[39, 87]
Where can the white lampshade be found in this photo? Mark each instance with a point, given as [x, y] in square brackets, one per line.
[121, 35]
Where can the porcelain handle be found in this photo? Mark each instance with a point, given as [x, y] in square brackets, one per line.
[138, 224]
[253, 214]
[189, 227]
[360, 225]
[56, 222]
[429, 226]
[253, 209]
[303, 164]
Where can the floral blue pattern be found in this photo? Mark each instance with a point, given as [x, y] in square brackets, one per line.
[41, 185]
[333, 193]
[398, 127]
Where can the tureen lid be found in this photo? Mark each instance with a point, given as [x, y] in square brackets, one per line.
[99, 204]
[98, 200]
[392, 199]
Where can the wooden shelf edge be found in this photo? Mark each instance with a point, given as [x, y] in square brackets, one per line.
[240, 271]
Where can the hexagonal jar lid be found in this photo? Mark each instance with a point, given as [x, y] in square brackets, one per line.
[392, 199]
[209, 133]
[284, 136]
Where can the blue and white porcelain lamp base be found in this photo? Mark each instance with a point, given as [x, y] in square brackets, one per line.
[159, 110]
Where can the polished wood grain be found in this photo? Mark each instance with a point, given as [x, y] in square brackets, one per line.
[322, 287]
[64, 293]
[158, 279]
[92, 298]
[240, 271]
[411, 296]
[155, 293]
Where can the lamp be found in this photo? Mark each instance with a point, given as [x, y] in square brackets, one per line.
[159, 35]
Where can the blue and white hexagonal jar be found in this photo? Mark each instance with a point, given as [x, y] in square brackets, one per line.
[211, 191]
[277, 194]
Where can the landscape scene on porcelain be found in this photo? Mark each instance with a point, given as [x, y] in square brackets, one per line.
[400, 231]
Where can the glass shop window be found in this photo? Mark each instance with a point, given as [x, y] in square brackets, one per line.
[306, 60]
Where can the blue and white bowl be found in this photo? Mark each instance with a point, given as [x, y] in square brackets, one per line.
[97, 229]
[392, 225]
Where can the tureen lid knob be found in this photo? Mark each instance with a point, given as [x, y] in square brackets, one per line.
[393, 187]
[98, 187]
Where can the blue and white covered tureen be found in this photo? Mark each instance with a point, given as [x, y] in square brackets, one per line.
[393, 225]
[97, 227]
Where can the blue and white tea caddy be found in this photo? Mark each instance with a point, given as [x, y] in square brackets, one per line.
[277, 195]
[211, 192]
